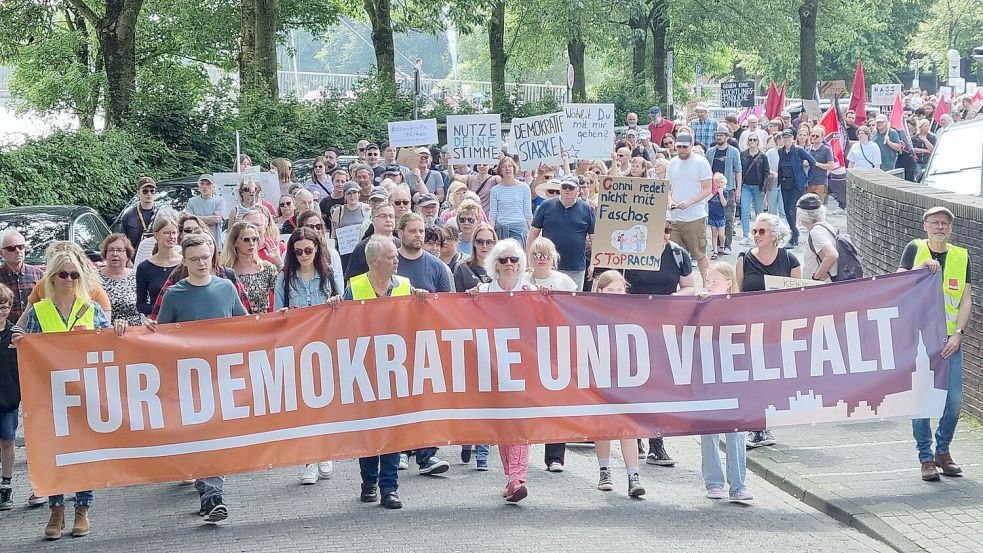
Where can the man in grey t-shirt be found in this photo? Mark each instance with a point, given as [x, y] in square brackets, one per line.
[210, 207]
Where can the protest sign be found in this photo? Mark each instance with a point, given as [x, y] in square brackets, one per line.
[971, 87]
[883, 94]
[945, 92]
[631, 215]
[407, 157]
[537, 140]
[474, 139]
[781, 283]
[832, 89]
[419, 132]
[348, 238]
[318, 383]
[812, 109]
[958, 85]
[227, 184]
[588, 131]
[738, 94]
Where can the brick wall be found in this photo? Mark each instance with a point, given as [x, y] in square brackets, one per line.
[885, 213]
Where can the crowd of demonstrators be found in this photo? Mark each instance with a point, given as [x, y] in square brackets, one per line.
[438, 228]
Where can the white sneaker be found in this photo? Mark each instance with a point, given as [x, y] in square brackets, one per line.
[404, 461]
[324, 469]
[555, 467]
[309, 476]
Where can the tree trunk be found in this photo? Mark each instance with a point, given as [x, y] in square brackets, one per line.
[117, 38]
[575, 50]
[639, 26]
[496, 50]
[807, 47]
[247, 47]
[266, 60]
[382, 40]
[86, 108]
[659, 23]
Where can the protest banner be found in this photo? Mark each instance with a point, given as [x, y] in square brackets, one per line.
[958, 85]
[284, 389]
[407, 157]
[348, 238]
[631, 215]
[781, 283]
[971, 87]
[945, 92]
[474, 139]
[419, 132]
[812, 109]
[227, 184]
[832, 89]
[537, 140]
[588, 130]
[883, 94]
[738, 94]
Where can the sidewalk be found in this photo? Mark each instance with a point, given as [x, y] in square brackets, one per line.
[867, 475]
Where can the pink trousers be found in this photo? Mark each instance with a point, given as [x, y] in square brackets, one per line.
[515, 460]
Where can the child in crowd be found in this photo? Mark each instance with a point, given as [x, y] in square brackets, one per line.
[717, 218]
[721, 279]
[612, 282]
[9, 397]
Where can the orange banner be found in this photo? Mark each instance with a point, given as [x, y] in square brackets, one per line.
[237, 395]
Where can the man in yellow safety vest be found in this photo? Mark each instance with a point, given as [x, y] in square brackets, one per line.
[935, 253]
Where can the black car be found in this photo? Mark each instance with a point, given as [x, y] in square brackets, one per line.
[171, 194]
[42, 224]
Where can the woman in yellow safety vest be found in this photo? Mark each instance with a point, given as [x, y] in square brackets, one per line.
[68, 306]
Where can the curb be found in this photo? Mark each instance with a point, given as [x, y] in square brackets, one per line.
[844, 510]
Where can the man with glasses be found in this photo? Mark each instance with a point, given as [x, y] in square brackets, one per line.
[825, 162]
[752, 130]
[935, 253]
[330, 157]
[209, 207]
[726, 159]
[138, 221]
[201, 296]
[360, 150]
[423, 179]
[399, 197]
[373, 158]
[20, 277]
[428, 206]
[569, 222]
[690, 179]
[383, 224]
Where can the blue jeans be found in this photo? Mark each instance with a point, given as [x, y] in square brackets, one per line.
[480, 451]
[424, 454]
[775, 206]
[922, 428]
[82, 499]
[750, 194]
[519, 231]
[382, 469]
[8, 425]
[210, 487]
[713, 476]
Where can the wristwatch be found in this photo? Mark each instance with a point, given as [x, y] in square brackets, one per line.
[961, 332]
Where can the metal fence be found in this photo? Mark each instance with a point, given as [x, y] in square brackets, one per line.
[5, 74]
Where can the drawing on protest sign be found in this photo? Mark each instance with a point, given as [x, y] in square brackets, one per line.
[420, 132]
[884, 94]
[588, 131]
[832, 89]
[781, 283]
[738, 94]
[227, 184]
[249, 393]
[474, 138]
[631, 214]
[537, 140]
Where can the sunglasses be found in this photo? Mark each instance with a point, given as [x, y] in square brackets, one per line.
[148, 191]
[549, 177]
[508, 259]
[361, 149]
[542, 256]
[760, 231]
[14, 248]
[817, 136]
[253, 239]
[190, 230]
[568, 186]
[752, 139]
[304, 251]
[248, 190]
[682, 146]
[484, 242]
[466, 220]
[401, 202]
[319, 166]
[552, 192]
[65, 275]
[315, 226]
[286, 204]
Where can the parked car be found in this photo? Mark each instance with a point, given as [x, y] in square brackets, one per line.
[957, 161]
[42, 224]
[171, 194]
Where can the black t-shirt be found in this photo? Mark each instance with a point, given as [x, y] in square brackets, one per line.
[719, 159]
[755, 270]
[851, 133]
[665, 281]
[328, 202]
[908, 259]
[467, 276]
[9, 382]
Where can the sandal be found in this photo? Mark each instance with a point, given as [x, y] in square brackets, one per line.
[714, 256]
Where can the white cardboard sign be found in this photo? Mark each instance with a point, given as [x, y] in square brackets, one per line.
[474, 139]
[420, 132]
[884, 94]
[588, 131]
[538, 140]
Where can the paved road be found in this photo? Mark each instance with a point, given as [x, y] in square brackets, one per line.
[460, 512]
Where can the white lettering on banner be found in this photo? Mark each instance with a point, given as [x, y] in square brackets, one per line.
[278, 380]
[474, 139]
[419, 132]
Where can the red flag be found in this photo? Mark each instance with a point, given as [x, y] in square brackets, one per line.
[834, 137]
[770, 101]
[940, 109]
[898, 123]
[780, 102]
[978, 97]
[858, 95]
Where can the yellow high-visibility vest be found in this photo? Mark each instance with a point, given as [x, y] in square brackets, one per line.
[953, 279]
[362, 288]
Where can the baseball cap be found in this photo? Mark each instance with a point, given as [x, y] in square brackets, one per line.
[786, 114]
[938, 209]
[644, 135]
[722, 129]
[146, 182]
[880, 118]
[352, 185]
[788, 132]
[372, 146]
[423, 150]
[392, 168]
[423, 200]
[631, 132]
[208, 177]
[684, 139]
[655, 110]
[379, 192]
[809, 202]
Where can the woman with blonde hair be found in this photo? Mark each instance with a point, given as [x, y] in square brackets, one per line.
[241, 252]
[543, 273]
[467, 219]
[248, 198]
[271, 248]
[455, 195]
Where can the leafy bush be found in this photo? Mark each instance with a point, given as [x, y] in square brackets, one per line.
[627, 96]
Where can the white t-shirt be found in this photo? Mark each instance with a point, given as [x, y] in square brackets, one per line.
[820, 236]
[864, 156]
[557, 282]
[685, 179]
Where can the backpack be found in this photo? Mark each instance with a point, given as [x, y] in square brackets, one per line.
[849, 265]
